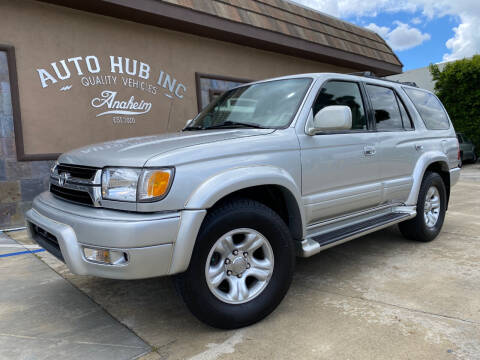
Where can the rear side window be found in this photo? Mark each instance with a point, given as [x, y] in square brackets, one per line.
[385, 107]
[429, 108]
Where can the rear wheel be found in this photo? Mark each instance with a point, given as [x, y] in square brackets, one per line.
[241, 267]
[431, 207]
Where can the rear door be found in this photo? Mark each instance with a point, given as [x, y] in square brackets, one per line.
[397, 143]
[340, 169]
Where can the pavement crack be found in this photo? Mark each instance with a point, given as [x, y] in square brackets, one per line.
[395, 306]
[69, 341]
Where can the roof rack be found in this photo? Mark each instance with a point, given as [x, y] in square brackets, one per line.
[371, 75]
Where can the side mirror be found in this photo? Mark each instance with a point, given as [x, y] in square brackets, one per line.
[333, 117]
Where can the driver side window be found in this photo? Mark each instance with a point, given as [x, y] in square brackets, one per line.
[343, 93]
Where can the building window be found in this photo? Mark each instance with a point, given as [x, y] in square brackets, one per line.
[209, 87]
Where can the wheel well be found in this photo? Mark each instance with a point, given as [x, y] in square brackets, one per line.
[441, 168]
[276, 197]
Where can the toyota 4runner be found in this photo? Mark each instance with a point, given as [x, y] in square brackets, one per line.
[269, 170]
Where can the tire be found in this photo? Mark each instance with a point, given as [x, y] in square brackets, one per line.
[422, 227]
[214, 304]
[475, 158]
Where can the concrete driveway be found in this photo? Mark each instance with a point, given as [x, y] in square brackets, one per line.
[377, 297]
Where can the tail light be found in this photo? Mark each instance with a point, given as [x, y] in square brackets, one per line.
[458, 150]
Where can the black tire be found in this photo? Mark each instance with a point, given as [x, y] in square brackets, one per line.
[416, 228]
[475, 158]
[192, 284]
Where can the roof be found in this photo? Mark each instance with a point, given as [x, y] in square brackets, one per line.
[275, 25]
[299, 22]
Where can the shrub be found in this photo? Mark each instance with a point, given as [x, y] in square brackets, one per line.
[458, 87]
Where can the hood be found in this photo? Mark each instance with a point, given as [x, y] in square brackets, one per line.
[136, 151]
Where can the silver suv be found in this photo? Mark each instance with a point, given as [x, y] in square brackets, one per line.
[272, 169]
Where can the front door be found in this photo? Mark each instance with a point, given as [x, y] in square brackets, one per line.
[340, 170]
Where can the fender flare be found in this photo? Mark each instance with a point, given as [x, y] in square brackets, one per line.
[421, 166]
[226, 182]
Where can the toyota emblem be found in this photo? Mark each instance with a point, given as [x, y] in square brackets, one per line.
[62, 178]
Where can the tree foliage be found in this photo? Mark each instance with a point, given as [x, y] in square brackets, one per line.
[458, 87]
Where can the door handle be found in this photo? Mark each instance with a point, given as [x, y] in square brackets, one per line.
[369, 150]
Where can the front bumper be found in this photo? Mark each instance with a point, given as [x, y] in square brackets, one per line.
[156, 244]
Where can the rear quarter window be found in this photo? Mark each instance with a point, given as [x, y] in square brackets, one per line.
[429, 108]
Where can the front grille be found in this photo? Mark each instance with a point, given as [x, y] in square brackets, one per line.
[77, 171]
[77, 196]
[48, 241]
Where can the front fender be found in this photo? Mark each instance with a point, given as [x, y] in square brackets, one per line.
[226, 182]
[423, 163]
[215, 188]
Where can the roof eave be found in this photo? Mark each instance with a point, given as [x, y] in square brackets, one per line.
[174, 17]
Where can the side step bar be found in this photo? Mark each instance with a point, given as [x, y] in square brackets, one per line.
[314, 244]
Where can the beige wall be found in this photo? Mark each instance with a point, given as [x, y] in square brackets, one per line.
[55, 121]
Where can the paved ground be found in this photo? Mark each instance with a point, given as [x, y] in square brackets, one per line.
[378, 297]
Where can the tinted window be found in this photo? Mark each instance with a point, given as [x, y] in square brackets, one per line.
[407, 121]
[343, 93]
[460, 139]
[385, 107]
[429, 108]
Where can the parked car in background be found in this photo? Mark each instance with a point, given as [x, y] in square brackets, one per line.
[293, 165]
[467, 149]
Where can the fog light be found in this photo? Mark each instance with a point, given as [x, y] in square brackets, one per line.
[105, 256]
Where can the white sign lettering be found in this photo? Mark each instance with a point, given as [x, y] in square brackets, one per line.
[118, 107]
[120, 72]
[63, 69]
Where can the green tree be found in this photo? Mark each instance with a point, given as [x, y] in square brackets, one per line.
[458, 87]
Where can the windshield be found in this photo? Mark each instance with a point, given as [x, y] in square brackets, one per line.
[270, 104]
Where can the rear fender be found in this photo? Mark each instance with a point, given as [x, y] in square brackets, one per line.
[422, 164]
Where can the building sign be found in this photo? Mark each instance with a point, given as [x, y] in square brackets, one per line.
[117, 73]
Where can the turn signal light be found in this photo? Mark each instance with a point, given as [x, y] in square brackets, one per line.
[158, 183]
[154, 184]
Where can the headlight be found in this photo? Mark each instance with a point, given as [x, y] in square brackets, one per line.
[53, 168]
[131, 184]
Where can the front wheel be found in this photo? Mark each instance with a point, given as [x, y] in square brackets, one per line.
[241, 267]
[431, 208]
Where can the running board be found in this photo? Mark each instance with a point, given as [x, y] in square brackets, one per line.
[314, 244]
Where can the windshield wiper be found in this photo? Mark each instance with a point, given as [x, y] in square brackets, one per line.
[233, 124]
[194, 127]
